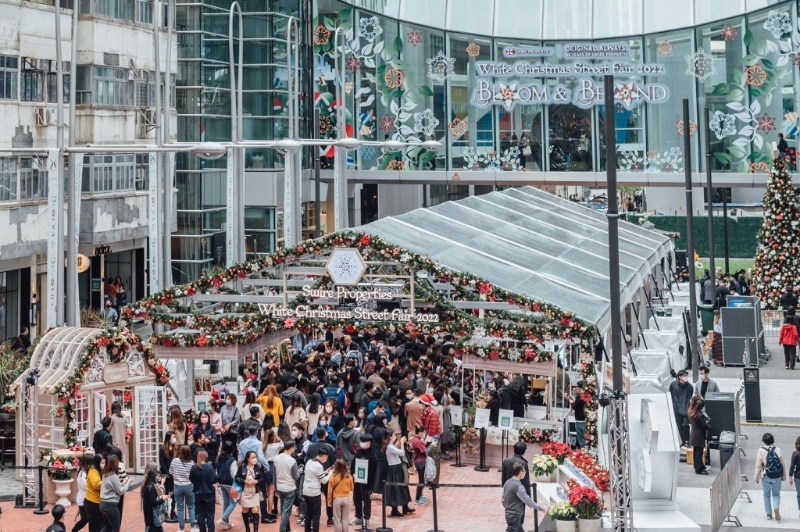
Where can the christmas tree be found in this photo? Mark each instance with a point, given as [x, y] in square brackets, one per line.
[777, 261]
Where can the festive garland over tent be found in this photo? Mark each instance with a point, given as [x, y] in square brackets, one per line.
[115, 344]
[589, 396]
[555, 323]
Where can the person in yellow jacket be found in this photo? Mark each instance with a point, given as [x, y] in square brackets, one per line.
[340, 489]
[271, 402]
[91, 503]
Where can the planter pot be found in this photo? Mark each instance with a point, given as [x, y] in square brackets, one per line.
[566, 526]
[589, 525]
[63, 490]
[546, 478]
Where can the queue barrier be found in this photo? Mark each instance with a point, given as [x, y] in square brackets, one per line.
[725, 492]
[772, 321]
[433, 488]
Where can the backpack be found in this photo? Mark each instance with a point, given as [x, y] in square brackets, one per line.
[430, 469]
[773, 467]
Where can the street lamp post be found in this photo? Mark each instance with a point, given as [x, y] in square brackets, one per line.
[73, 189]
[235, 219]
[55, 264]
[340, 210]
[710, 194]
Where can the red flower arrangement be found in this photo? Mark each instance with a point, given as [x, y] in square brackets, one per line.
[559, 451]
[596, 473]
[585, 501]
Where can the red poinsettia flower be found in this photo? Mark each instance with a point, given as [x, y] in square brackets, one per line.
[364, 241]
[485, 288]
[202, 341]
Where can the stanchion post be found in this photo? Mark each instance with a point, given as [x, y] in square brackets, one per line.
[364, 497]
[458, 448]
[383, 510]
[40, 510]
[481, 468]
[435, 511]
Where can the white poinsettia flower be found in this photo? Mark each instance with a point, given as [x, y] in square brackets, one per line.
[507, 94]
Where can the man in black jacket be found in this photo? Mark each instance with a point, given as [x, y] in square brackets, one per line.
[247, 423]
[788, 299]
[102, 438]
[347, 440]
[362, 495]
[681, 391]
[313, 452]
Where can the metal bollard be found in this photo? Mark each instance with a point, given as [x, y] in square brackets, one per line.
[383, 510]
[435, 511]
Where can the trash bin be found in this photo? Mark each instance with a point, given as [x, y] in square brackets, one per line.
[706, 317]
[726, 451]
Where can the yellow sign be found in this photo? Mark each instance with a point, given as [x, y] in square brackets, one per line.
[83, 263]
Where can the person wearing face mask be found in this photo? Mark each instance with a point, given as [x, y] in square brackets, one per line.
[166, 454]
[413, 411]
[230, 419]
[362, 495]
[361, 420]
[681, 391]
[347, 441]
[315, 450]
[336, 392]
[324, 428]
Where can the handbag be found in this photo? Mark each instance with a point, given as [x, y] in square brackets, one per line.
[236, 489]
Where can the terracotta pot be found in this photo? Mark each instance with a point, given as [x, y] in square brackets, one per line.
[566, 526]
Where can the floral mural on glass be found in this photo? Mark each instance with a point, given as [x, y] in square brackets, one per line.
[701, 65]
[370, 28]
[722, 124]
[458, 128]
[681, 128]
[728, 33]
[473, 50]
[414, 37]
[507, 94]
[755, 83]
[508, 161]
[425, 122]
[440, 67]
[670, 160]
[665, 47]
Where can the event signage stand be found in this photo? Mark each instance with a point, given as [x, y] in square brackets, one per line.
[482, 422]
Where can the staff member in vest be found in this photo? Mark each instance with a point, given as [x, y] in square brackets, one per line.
[515, 499]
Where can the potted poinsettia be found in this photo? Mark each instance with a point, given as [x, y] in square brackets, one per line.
[558, 450]
[587, 505]
[543, 466]
[565, 515]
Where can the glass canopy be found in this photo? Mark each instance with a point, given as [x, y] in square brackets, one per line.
[532, 243]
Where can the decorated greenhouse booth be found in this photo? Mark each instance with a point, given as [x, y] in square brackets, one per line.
[75, 375]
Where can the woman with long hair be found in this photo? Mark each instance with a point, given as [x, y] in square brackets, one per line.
[166, 453]
[332, 413]
[91, 503]
[250, 400]
[272, 448]
[249, 475]
[226, 467]
[177, 424]
[110, 491]
[153, 497]
[340, 488]
[180, 469]
[271, 402]
[208, 430]
[203, 477]
[296, 413]
[122, 296]
[396, 496]
[699, 432]
[119, 426]
[84, 465]
[314, 411]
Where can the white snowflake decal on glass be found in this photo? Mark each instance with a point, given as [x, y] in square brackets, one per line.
[507, 94]
[440, 67]
[369, 28]
[722, 124]
[701, 65]
[425, 122]
[653, 161]
[778, 23]
[625, 93]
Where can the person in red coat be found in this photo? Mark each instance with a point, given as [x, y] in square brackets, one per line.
[430, 419]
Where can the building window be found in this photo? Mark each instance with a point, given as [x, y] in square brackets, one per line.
[144, 11]
[115, 172]
[52, 91]
[8, 77]
[259, 226]
[142, 168]
[9, 305]
[120, 9]
[32, 86]
[111, 87]
[8, 179]
[32, 180]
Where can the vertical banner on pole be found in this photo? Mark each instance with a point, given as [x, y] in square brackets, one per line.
[78, 177]
[339, 191]
[240, 203]
[289, 238]
[54, 213]
[152, 222]
[166, 255]
[230, 240]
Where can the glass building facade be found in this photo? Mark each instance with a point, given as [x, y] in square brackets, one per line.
[413, 69]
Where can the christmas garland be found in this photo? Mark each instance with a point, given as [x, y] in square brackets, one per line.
[589, 396]
[529, 435]
[555, 323]
[114, 343]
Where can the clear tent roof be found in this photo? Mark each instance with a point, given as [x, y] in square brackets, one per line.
[532, 243]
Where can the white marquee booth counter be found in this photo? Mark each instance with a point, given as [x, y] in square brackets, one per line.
[93, 367]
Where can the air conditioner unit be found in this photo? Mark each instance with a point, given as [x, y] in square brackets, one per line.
[41, 116]
[52, 116]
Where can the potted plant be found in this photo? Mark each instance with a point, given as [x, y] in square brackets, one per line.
[60, 471]
[543, 466]
[564, 514]
[587, 505]
[558, 450]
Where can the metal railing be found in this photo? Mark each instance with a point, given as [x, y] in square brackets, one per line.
[725, 491]
[772, 321]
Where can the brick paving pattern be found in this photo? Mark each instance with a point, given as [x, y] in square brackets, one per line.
[459, 510]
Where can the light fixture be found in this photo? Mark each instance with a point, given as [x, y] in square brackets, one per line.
[393, 145]
[287, 145]
[348, 143]
[432, 145]
[209, 151]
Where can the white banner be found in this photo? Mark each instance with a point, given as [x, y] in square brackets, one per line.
[54, 233]
[230, 225]
[289, 238]
[482, 418]
[78, 177]
[362, 471]
[506, 419]
[152, 223]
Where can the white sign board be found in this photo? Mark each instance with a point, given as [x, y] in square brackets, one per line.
[456, 415]
[362, 471]
[481, 418]
[506, 419]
